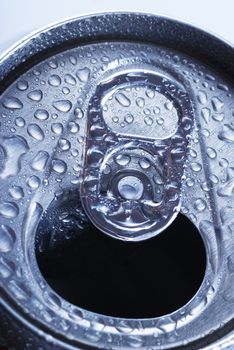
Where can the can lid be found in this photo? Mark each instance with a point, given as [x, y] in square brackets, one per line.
[131, 115]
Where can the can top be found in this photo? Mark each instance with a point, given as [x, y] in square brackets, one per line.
[131, 114]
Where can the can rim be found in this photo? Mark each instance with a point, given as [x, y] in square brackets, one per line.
[25, 38]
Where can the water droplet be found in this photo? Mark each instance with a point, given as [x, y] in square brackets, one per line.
[209, 77]
[74, 152]
[78, 113]
[83, 74]
[12, 103]
[150, 93]
[115, 119]
[124, 327]
[214, 179]
[211, 152]
[62, 105]
[35, 95]
[53, 64]
[22, 85]
[206, 113]
[122, 99]
[53, 299]
[14, 148]
[202, 97]
[140, 101]
[200, 204]
[57, 128]
[146, 111]
[189, 182]
[69, 79]
[41, 114]
[20, 122]
[7, 268]
[156, 110]
[65, 90]
[222, 87]
[122, 160]
[36, 72]
[192, 153]
[16, 192]
[144, 163]
[9, 210]
[148, 121]
[73, 127]
[217, 104]
[17, 290]
[59, 166]
[54, 80]
[39, 161]
[128, 118]
[226, 190]
[135, 341]
[226, 215]
[168, 105]
[73, 60]
[33, 182]
[160, 121]
[64, 144]
[227, 133]
[195, 166]
[219, 117]
[205, 132]
[80, 139]
[7, 238]
[223, 162]
[35, 132]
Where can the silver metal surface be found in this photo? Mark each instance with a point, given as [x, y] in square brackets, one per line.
[51, 123]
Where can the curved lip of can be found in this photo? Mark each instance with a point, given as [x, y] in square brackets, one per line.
[27, 38]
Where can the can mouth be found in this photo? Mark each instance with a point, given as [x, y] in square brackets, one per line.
[110, 277]
[47, 83]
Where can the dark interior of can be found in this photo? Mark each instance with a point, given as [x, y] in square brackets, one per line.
[124, 279]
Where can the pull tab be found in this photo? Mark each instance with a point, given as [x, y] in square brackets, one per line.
[138, 128]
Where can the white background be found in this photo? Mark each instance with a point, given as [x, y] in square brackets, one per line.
[19, 17]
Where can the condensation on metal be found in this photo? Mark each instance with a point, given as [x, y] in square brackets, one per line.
[44, 114]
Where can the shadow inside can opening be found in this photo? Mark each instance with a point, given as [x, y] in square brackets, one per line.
[130, 280]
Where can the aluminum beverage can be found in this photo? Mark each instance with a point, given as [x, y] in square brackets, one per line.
[122, 124]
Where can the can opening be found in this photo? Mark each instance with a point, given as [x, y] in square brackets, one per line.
[122, 279]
